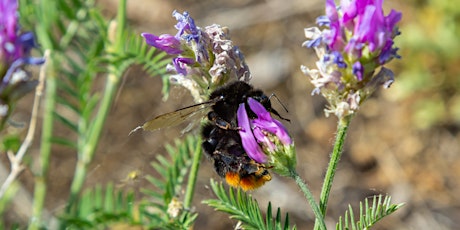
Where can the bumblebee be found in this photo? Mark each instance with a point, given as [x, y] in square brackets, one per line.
[221, 140]
[231, 162]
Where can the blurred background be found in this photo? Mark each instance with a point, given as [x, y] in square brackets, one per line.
[404, 142]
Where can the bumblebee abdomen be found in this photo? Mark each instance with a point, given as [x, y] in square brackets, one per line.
[247, 182]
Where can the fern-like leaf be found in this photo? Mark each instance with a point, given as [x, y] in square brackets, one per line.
[78, 38]
[368, 215]
[244, 208]
[166, 211]
[99, 208]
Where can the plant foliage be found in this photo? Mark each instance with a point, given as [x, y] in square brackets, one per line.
[100, 208]
[164, 210]
[368, 215]
[244, 208]
[83, 46]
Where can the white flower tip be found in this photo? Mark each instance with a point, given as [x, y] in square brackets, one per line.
[312, 32]
[3, 110]
[18, 75]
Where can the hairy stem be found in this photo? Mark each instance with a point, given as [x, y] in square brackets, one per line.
[311, 200]
[342, 128]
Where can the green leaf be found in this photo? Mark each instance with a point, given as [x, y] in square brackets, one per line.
[10, 142]
[244, 208]
[67, 122]
[368, 216]
[64, 142]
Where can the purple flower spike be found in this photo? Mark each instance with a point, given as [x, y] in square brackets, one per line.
[354, 41]
[248, 140]
[165, 42]
[203, 58]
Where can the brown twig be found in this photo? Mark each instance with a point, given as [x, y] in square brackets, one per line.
[15, 160]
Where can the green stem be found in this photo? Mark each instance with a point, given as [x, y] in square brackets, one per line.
[193, 176]
[44, 38]
[311, 200]
[342, 128]
[45, 147]
[86, 153]
[88, 148]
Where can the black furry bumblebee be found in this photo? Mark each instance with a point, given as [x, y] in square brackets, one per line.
[221, 140]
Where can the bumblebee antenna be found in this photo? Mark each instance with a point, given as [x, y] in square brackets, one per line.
[279, 101]
[284, 107]
[135, 129]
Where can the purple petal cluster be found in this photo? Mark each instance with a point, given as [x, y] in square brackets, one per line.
[203, 58]
[262, 135]
[369, 28]
[356, 39]
[14, 46]
[15, 50]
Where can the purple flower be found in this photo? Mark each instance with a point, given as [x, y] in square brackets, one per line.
[181, 63]
[8, 30]
[262, 135]
[358, 70]
[248, 140]
[188, 38]
[186, 27]
[192, 35]
[15, 50]
[364, 19]
[14, 45]
[166, 42]
[266, 123]
[337, 58]
[204, 59]
[355, 41]
[335, 37]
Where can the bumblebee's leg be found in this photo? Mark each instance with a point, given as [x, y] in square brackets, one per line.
[221, 123]
[210, 142]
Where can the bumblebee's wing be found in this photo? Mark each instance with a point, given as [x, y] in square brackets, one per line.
[176, 117]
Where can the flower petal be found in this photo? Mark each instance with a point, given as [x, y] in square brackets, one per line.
[358, 70]
[267, 123]
[165, 42]
[248, 140]
[180, 64]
